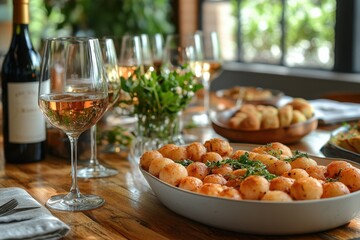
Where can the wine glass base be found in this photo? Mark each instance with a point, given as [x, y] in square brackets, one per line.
[97, 171]
[83, 202]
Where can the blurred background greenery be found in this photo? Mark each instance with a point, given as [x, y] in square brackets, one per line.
[114, 18]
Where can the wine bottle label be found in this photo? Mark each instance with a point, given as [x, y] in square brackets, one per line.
[26, 122]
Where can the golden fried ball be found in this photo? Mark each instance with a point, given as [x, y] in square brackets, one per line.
[318, 172]
[211, 157]
[237, 154]
[303, 162]
[235, 177]
[334, 189]
[254, 187]
[239, 172]
[278, 167]
[190, 183]
[274, 149]
[157, 164]
[351, 178]
[296, 173]
[264, 158]
[178, 153]
[165, 150]
[223, 170]
[306, 188]
[195, 151]
[335, 167]
[281, 183]
[218, 145]
[198, 170]
[276, 196]
[211, 189]
[231, 193]
[147, 157]
[172, 173]
[215, 178]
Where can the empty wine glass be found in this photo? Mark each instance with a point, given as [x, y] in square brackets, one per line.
[73, 96]
[95, 169]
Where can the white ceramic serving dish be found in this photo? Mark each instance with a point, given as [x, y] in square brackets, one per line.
[257, 217]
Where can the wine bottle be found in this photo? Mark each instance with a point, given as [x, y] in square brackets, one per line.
[24, 127]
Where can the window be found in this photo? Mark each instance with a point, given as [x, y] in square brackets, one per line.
[318, 34]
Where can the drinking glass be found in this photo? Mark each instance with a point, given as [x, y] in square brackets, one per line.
[146, 53]
[95, 169]
[130, 59]
[130, 56]
[208, 53]
[73, 96]
[157, 50]
[178, 53]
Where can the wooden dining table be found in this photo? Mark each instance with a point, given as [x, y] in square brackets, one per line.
[132, 210]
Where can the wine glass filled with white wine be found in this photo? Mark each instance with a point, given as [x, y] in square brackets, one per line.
[73, 96]
[130, 59]
[95, 169]
[208, 54]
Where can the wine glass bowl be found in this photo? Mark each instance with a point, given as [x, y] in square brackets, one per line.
[178, 52]
[130, 56]
[130, 59]
[73, 96]
[157, 50]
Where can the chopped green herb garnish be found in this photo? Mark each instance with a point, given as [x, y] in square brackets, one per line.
[253, 167]
[185, 163]
[296, 155]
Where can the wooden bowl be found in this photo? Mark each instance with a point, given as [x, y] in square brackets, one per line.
[289, 134]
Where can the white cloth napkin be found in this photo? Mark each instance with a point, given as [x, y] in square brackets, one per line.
[34, 223]
[329, 111]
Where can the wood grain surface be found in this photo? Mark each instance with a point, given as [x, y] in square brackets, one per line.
[132, 211]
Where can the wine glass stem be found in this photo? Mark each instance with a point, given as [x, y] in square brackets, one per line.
[74, 190]
[206, 85]
[93, 159]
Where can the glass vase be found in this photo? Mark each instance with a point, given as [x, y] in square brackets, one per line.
[154, 131]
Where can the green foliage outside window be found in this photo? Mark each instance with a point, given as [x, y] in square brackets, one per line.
[309, 31]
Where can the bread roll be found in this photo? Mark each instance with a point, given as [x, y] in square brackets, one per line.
[285, 115]
[303, 106]
[270, 119]
[298, 117]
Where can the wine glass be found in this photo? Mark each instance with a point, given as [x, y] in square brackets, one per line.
[130, 56]
[208, 53]
[73, 96]
[130, 59]
[178, 53]
[147, 59]
[95, 169]
[157, 50]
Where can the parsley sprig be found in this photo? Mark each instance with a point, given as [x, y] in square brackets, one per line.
[297, 154]
[253, 167]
